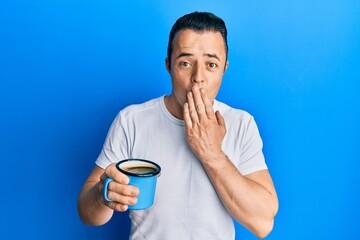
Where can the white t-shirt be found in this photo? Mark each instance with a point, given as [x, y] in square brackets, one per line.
[186, 204]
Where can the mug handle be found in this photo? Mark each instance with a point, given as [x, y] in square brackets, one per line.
[105, 189]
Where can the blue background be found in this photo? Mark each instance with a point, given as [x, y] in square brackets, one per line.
[67, 67]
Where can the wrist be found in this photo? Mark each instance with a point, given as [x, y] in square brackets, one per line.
[213, 158]
[98, 194]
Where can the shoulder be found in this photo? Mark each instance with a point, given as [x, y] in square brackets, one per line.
[137, 112]
[140, 109]
[232, 114]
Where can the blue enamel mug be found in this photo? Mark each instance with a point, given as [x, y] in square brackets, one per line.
[143, 174]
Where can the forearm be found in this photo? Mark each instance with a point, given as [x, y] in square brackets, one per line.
[91, 210]
[250, 203]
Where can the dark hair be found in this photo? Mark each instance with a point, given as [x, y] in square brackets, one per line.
[198, 21]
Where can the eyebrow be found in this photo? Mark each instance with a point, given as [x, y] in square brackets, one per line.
[210, 55]
[184, 55]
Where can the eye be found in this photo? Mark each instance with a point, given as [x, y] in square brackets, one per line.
[213, 65]
[184, 64]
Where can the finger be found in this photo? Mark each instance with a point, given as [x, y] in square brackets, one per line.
[121, 199]
[208, 104]
[192, 110]
[126, 190]
[121, 194]
[198, 102]
[117, 206]
[187, 118]
[112, 172]
[220, 119]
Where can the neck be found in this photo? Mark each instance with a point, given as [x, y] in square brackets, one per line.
[173, 106]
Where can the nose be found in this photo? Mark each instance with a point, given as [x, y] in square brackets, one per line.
[198, 74]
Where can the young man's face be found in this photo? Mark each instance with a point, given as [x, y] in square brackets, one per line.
[197, 58]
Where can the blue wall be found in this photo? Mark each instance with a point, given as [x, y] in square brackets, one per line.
[67, 68]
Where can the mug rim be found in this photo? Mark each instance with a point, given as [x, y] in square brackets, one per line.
[135, 174]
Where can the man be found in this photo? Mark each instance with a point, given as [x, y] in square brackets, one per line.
[213, 168]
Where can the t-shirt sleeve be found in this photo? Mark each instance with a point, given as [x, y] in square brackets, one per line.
[252, 157]
[115, 146]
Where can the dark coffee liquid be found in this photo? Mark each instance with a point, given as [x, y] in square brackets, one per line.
[140, 170]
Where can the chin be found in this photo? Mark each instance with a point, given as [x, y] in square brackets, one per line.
[181, 100]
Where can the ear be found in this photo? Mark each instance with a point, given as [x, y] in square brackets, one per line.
[226, 66]
[167, 64]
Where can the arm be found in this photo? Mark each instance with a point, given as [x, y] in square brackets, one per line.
[92, 208]
[250, 199]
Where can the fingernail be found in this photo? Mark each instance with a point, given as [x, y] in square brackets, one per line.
[125, 180]
[124, 207]
[134, 193]
[131, 202]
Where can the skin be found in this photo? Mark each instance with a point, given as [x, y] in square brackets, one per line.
[198, 63]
